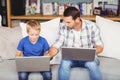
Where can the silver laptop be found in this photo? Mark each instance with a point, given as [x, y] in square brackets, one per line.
[33, 64]
[85, 54]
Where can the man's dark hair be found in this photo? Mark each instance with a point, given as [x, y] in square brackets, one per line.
[71, 11]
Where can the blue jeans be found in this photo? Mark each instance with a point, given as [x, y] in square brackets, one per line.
[24, 75]
[66, 65]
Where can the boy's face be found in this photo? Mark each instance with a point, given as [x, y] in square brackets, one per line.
[33, 35]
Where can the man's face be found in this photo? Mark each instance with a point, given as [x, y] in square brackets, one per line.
[70, 23]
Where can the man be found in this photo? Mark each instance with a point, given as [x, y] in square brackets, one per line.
[77, 33]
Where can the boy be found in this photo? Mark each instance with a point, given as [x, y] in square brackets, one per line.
[32, 45]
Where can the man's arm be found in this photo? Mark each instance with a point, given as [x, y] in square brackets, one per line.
[99, 49]
[52, 52]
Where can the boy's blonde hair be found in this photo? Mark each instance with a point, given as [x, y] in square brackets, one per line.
[32, 24]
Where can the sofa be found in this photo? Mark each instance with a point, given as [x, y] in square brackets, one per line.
[109, 62]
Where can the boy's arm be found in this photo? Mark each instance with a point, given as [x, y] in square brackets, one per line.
[18, 53]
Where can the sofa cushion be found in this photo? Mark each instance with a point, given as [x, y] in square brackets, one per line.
[110, 31]
[109, 71]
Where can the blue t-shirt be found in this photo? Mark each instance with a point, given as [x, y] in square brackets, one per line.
[30, 49]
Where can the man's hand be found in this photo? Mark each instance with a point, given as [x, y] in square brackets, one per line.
[51, 52]
[47, 54]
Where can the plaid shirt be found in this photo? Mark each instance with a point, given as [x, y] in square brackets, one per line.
[89, 36]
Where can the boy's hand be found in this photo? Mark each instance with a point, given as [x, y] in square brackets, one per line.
[18, 55]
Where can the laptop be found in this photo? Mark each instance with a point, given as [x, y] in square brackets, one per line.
[85, 54]
[33, 64]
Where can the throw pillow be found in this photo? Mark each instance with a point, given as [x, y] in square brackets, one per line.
[110, 31]
[50, 30]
